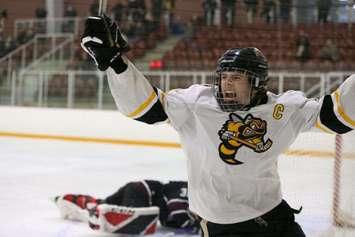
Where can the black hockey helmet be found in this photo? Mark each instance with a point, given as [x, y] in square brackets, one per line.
[254, 64]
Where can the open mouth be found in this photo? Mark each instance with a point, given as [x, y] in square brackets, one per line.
[229, 95]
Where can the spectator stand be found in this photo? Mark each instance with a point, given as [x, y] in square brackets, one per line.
[276, 41]
[52, 25]
[39, 49]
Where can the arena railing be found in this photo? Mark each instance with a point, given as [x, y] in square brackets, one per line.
[89, 89]
[36, 50]
[59, 50]
[48, 25]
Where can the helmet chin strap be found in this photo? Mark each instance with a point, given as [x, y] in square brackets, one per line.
[257, 81]
[259, 98]
[250, 95]
[248, 106]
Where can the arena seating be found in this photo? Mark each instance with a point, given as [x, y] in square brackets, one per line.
[277, 42]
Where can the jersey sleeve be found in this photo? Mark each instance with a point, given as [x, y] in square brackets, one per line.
[337, 112]
[136, 98]
[178, 107]
[309, 110]
[333, 113]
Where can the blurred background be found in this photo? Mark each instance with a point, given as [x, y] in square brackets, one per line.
[309, 45]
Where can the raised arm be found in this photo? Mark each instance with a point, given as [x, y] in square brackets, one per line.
[135, 97]
[333, 113]
[337, 112]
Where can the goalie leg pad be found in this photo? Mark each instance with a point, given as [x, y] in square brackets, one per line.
[124, 220]
[73, 207]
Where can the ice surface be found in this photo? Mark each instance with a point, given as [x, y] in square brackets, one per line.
[33, 171]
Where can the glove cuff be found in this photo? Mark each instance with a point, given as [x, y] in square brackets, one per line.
[118, 65]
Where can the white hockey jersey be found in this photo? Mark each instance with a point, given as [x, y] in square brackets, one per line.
[232, 157]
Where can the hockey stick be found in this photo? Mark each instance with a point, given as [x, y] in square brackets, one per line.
[102, 7]
[102, 11]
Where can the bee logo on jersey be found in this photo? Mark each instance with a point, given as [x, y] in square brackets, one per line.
[238, 132]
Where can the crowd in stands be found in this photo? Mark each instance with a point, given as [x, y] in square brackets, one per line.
[7, 42]
[136, 20]
[270, 11]
[323, 7]
[68, 25]
[327, 51]
[142, 26]
[3, 16]
[286, 46]
[41, 14]
[296, 48]
[133, 18]
[69, 12]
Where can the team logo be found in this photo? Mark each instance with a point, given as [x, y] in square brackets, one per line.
[238, 132]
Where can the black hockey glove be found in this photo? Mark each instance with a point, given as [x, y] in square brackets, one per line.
[103, 41]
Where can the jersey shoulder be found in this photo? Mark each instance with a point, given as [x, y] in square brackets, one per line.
[192, 93]
[291, 98]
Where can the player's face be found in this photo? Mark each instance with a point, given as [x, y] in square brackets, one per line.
[235, 87]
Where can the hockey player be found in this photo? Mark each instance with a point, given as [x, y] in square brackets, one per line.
[232, 131]
[134, 209]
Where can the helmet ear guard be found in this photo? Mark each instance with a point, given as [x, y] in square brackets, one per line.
[251, 62]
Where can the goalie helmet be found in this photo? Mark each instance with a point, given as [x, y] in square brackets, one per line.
[250, 62]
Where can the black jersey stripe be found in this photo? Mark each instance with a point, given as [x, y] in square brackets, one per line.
[329, 119]
[155, 114]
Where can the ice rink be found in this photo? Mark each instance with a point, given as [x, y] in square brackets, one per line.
[32, 171]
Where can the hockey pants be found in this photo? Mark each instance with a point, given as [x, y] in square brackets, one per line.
[279, 222]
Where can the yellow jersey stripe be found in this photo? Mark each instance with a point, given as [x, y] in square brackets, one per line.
[341, 111]
[143, 105]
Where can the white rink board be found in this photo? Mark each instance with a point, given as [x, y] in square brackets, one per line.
[82, 123]
[113, 125]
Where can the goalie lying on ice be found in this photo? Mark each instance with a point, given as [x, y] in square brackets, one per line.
[134, 209]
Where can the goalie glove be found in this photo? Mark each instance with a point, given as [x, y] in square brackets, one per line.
[104, 42]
